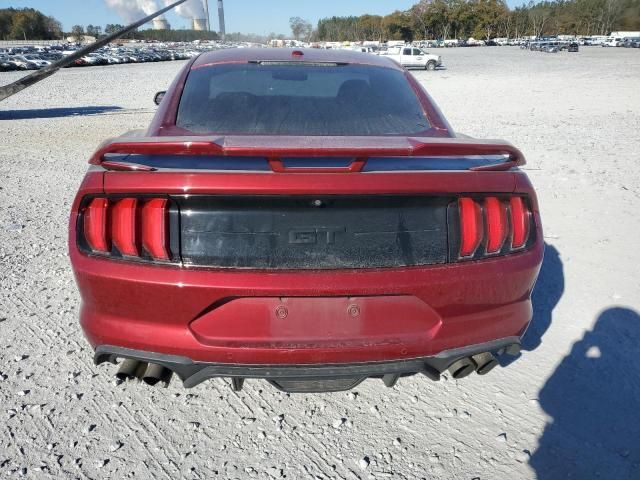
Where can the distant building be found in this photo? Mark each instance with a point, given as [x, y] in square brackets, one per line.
[625, 34]
[83, 39]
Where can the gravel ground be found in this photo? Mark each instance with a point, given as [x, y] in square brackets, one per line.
[566, 408]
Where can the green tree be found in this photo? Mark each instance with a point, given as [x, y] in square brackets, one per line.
[420, 19]
[23, 27]
[300, 28]
[53, 28]
[112, 28]
[488, 14]
[486, 19]
[370, 27]
[27, 24]
[6, 21]
[397, 26]
[94, 30]
[77, 33]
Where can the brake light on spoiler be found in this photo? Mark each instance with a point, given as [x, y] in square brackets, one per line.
[130, 227]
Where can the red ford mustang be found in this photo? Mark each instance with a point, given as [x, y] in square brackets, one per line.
[306, 217]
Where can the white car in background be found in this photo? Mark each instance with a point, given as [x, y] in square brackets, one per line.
[613, 42]
[412, 57]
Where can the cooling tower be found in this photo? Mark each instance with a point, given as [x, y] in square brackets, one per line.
[199, 24]
[161, 24]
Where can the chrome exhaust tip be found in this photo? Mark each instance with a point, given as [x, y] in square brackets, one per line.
[485, 362]
[461, 368]
[155, 373]
[130, 369]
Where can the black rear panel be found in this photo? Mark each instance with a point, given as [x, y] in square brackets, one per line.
[269, 232]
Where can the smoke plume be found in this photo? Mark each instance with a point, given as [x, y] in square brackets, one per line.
[189, 9]
[132, 10]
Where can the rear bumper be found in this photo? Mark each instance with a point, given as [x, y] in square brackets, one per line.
[200, 314]
[302, 377]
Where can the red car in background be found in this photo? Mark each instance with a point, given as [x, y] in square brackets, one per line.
[307, 217]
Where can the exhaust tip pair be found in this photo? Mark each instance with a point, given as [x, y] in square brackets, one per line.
[481, 363]
[149, 373]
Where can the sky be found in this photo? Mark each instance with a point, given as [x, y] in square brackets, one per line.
[247, 16]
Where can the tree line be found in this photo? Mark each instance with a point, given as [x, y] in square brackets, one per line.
[485, 19]
[28, 24]
[159, 35]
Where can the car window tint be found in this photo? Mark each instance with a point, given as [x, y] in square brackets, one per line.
[406, 51]
[417, 52]
[277, 99]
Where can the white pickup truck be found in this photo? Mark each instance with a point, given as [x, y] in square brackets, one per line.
[412, 57]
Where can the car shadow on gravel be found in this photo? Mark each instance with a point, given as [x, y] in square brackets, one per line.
[546, 295]
[593, 398]
[56, 112]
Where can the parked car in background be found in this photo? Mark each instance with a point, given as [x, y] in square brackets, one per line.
[6, 65]
[37, 59]
[631, 42]
[412, 57]
[573, 47]
[51, 56]
[22, 63]
[613, 42]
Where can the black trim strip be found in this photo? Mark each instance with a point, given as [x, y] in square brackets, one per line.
[193, 373]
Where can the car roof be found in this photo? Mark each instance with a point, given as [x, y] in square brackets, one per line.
[241, 55]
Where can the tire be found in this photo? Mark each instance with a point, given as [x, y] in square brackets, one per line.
[430, 66]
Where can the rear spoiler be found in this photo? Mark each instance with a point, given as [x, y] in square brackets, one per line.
[275, 148]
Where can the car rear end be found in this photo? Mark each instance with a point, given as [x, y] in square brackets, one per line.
[314, 262]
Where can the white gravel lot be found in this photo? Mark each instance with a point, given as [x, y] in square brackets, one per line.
[567, 408]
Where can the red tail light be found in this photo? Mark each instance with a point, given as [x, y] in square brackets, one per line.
[123, 226]
[497, 228]
[520, 222]
[470, 226]
[496, 224]
[154, 228]
[95, 225]
[136, 227]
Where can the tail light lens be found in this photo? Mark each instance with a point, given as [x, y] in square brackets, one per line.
[124, 226]
[491, 226]
[470, 226]
[129, 227]
[155, 228]
[95, 225]
[520, 222]
[496, 221]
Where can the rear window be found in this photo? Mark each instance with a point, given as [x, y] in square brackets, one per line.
[285, 99]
